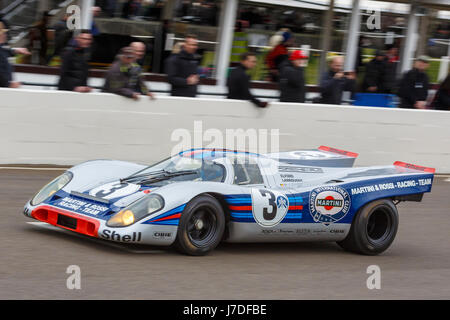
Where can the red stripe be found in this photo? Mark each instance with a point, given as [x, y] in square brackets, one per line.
[174, 216]
[295, 207]
[239, 208]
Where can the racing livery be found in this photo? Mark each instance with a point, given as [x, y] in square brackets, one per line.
[200, 197]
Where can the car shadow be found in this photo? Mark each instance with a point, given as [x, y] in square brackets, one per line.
[49, 231]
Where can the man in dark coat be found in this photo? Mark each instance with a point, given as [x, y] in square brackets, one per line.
[335, 81]
[292, 79]
[182, 71]
[414, 85]
[124, 77]
[390, 74]
[75, 69]
[442, 97]
[239, 81]
[6, 70]
[375, 71]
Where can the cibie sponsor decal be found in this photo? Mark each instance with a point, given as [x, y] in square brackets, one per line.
[329, 204]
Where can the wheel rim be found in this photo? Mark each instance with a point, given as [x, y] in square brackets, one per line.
[202, 226]
[379, 225]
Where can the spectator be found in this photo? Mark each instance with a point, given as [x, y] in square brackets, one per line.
[292, 78]
[182, 70]
[414, 85]
[335, 81]
[239, 81]
[139, 50]
[374, 77]
[278, 55]
[6, 70]
[390, 74]
[124, 78]
[62, 35]
[75, 69]
[39, 37]
[442, 98]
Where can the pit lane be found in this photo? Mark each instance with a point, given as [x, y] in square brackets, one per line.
[34, 259]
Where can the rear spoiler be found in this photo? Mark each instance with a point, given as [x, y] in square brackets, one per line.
[338, 151]
[414, 167]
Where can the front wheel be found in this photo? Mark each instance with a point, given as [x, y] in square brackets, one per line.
[373, 229]
[201, 226]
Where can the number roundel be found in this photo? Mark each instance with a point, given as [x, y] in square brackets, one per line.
[269, 207]
[114, 190]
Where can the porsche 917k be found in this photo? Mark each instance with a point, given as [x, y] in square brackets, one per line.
[200, 197]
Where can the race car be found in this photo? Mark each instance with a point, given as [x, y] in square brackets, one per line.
[200, 197]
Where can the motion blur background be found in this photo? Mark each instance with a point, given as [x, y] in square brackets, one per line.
[320, 27]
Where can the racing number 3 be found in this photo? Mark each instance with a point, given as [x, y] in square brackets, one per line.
[114, 188]
[269, 207]
[266, 214]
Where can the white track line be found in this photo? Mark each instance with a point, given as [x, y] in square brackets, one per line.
[106, 243]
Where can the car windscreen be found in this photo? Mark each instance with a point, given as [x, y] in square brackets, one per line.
[198, 169]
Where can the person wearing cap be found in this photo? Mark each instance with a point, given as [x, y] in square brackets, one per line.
[375, 71]
[414, 85]
[335, 81]
[75, 68]
[239, 81]
[6, 70]
[278, 55]
[124, 77]
[292, 79]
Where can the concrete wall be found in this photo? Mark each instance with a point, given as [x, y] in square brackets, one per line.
[51, 127]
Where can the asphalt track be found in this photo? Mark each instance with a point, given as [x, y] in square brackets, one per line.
[34, 259]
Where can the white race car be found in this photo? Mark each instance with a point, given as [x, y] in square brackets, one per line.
[200, 197]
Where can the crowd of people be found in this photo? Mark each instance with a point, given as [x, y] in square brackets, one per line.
[124, 76]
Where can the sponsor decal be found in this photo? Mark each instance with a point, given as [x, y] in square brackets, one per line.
[336, 231]
[329, 204]
[290, 178]
[162, 235]
[277, 231]
[303, 231]
[113, 235]
[392, 186]
[300, 169]
[81, 206]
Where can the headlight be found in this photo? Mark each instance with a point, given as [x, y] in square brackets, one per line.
[52, 188]
[136, 211]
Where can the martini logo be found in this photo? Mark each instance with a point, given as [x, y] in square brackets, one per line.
[329, 204]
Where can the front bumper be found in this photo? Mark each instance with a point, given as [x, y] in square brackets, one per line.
[93, 227]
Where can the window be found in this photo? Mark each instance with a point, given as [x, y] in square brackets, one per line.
[246, 171]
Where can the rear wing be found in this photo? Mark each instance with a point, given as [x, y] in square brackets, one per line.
[413, 167]
[323, 156]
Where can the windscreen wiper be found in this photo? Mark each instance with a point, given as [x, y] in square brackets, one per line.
[133, 177]
[167, 175]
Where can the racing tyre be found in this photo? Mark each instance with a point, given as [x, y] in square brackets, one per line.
[201, 226]
[373, 229]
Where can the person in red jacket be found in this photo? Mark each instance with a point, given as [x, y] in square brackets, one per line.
[278, 56]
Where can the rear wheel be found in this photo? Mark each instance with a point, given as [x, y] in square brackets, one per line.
[201, 226]
[373, 229]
